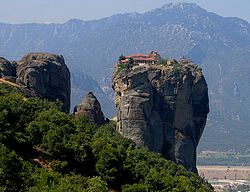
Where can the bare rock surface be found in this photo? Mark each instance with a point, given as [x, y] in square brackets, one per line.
[7, 69]
[91, 108]
[162, 107]
[39, 74]
[46, 74]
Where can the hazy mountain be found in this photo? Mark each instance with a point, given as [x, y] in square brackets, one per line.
[220, 45]
[81, 84]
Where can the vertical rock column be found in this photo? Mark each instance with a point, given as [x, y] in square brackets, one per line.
[163, 110]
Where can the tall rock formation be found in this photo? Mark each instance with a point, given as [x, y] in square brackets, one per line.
[163, 107]
[42, 75]
[47, 74]
[91, 108]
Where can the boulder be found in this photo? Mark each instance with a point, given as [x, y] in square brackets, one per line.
[91, 108]
[163, 108]
[46, 74]
[7, 69]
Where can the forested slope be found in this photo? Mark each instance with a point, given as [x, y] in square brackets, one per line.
[44, 149]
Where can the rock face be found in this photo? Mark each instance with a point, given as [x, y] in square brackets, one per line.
[163, 108]
[47, 74]
[42, 75]
[7, 69]
[91, 108]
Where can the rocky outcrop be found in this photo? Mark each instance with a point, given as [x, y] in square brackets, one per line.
[46, 74]
[42, 75]
[91, 108]
[162, 107]
[7, 69]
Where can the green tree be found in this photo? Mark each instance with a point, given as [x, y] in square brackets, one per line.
[50, 181]
[14, 172]
[162, 61]
[96, 184]
[16, 112]
[122, 57]
[137, 187]
[109, 165]
[52, 130]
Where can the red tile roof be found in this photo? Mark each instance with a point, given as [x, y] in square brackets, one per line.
[145, 59]
[153, 56]
[124, 61]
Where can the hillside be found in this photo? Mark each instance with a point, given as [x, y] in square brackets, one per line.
[44, 149]
[220, 45]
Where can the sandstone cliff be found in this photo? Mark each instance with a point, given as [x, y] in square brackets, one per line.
[91, 108]
[43, 75]
[162, 107]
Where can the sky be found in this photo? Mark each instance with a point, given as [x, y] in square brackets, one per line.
[60, 11]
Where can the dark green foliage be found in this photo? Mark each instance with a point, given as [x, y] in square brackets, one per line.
[130, 62]
[158, 174]
[125, 66]
[96, 184]
[176, 69]
[75, 155]
[47, 181]
[122, 57]
[122, 66]
[162, 61]
[5, 89]
[109, 164]
[64, 139]
[14, 172]
[110, 151]
[51, 130]
[137, 187]
[16, 112]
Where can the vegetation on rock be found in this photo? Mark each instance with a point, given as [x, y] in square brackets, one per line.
[172, 66]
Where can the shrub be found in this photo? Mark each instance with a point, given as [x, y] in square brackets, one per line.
[14, 172]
